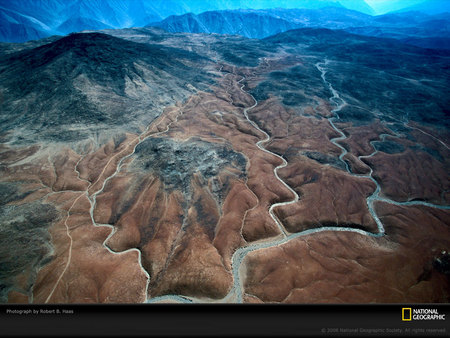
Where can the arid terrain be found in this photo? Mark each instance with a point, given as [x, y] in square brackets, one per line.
[138, 165]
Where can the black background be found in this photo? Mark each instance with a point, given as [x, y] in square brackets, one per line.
[155, 320]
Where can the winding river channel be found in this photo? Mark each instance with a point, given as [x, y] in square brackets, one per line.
[236, 291]
[93, 201]
[235, 295]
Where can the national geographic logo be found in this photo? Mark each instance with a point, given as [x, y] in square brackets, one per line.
[410, 314]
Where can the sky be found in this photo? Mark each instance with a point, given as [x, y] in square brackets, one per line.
[384, 6]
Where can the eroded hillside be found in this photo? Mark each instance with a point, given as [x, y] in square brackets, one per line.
[144, 166]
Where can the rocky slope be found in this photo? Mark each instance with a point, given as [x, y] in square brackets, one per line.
[98, 81]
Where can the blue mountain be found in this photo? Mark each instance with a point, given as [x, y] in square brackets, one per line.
[249, 24]
[23, 20]
[199, 6]
[17, 27]
[47, 17]
[262, 23]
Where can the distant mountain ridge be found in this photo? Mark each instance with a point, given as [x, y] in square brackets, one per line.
[413, 28]
[262, 23]
[23, 20]
[227, 22]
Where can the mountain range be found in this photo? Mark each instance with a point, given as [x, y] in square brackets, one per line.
[431, 31]
[24, 20]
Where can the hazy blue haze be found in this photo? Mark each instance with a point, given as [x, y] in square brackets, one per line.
[386, 6]
[426, 6]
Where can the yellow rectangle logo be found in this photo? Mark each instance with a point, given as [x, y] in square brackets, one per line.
[406, 314]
